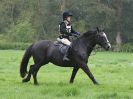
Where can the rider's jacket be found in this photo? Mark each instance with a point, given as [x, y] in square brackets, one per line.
[65, 30]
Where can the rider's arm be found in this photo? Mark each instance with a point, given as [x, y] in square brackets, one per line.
[63, 29]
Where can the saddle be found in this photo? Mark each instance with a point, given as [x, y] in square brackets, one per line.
[62, 47]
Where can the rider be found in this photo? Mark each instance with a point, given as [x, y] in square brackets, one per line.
[66, 30]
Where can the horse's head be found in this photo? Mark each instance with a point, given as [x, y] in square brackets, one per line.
[102, 39]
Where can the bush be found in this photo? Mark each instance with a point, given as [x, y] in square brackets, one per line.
[126, 48]
[11, 45]
[22, 32]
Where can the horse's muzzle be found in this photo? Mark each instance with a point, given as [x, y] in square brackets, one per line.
[108, 46]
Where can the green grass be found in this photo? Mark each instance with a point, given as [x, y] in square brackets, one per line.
[114, 72]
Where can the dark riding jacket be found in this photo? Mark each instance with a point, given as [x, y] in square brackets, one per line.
[66, 30]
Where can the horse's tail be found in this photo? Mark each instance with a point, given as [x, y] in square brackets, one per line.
[24, 62]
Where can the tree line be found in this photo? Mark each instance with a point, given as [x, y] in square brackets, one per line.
[32, 20]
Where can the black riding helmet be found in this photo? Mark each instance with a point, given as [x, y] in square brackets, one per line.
[66, 14]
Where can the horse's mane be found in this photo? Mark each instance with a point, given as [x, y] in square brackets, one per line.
[88, 33]
[85, 35]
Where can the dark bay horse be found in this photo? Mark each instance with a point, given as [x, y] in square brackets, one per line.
[46, 51]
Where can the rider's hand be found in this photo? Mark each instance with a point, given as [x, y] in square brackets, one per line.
[78, 33]
[75, 35]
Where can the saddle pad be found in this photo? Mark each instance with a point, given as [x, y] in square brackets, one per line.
[62, 47]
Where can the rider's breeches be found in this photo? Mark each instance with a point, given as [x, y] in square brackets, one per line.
[64, 41]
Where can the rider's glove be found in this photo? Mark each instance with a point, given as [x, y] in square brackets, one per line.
[78, 33]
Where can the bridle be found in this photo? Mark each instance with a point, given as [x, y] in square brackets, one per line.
[99, 47]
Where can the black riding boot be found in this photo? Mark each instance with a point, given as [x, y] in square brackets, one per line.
[65, 58]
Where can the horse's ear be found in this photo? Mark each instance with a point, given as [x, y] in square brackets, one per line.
[98, 30]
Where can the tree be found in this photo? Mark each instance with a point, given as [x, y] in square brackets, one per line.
[45, 15]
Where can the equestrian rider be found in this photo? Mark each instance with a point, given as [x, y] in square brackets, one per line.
[66, 30]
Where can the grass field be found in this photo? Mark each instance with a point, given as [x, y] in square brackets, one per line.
[114, 72]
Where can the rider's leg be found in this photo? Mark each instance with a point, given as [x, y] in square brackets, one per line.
[65, 58]
[67, 42]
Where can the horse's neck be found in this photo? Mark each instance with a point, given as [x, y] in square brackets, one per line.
[90, 46]
[90, 49]
[85, 43]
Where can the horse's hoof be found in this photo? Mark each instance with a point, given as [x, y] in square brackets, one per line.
[36, 84]
[96, 83]
[25, 80]
[71, 82]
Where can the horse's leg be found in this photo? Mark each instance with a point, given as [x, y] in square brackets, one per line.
[87, 71]
[74, 72]
[34, 73]
[29, 74]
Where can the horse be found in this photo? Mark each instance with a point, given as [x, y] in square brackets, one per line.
[46, 51]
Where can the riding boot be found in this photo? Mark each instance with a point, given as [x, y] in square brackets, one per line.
[65, 58]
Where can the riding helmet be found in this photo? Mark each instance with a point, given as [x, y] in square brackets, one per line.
[66, 14]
